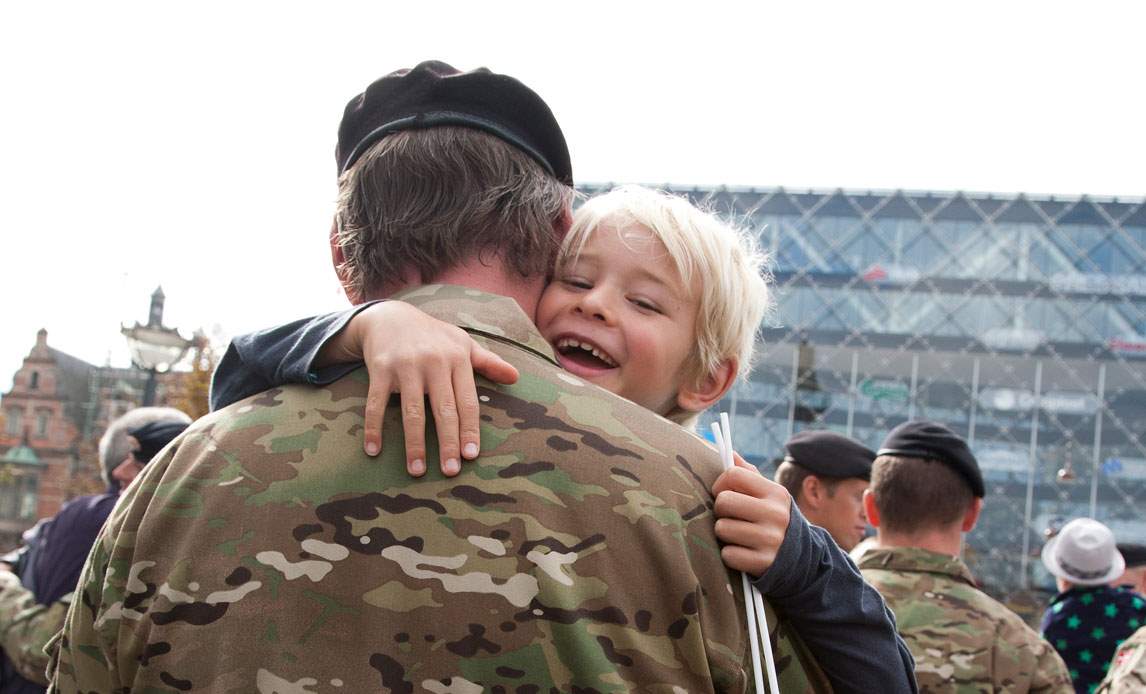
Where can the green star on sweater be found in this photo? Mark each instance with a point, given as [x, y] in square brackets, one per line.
[1111, 610]
[1086, 656]
[1098, 633]
[1073, 622]
[1087, 599]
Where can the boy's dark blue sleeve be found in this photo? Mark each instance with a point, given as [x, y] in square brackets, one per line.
[841, 617]
[277, 356]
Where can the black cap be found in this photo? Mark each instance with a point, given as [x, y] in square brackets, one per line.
[933, 441]
[153, 436]
[1134, 554]
[828, 454]
[434, 94]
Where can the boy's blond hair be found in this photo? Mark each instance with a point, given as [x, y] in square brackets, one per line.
[734, 292]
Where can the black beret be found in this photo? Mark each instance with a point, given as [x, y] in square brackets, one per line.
[153, 436]
[434, 94]
[931, 440]
[828, 454]
[1134, 554]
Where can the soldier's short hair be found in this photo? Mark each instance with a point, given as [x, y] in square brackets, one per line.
[734, 294]
[914, 494]
[115, 444]
[791, 476]
[425, 200]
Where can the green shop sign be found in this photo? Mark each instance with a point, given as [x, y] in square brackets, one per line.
[883, 389]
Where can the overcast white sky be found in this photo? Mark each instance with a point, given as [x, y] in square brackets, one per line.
[191, 144]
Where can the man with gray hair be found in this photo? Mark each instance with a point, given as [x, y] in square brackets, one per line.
[33, 602]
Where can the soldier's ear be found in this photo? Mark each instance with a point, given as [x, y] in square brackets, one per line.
[697, 397]
[338, 259]
[971, 517]
[870, 509]
[812, 491]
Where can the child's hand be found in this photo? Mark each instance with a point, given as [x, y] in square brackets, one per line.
[409, 352]
[752, 518]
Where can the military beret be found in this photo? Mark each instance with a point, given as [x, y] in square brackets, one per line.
[933, 441]
[1134, 554]
[153, 436]
[828, 454]
[433, 94]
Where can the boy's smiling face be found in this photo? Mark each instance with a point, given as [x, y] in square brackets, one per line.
[619, 316]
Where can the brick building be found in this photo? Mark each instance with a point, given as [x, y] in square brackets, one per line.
[52, 420]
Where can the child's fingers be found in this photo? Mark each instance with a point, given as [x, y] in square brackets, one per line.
[376, 400]
[414, 421]
[761, 540]
[747, 482]
[744, 559]
[752, 509]
[491, 365]
[741, 462]
[465, 389]
[445, 408]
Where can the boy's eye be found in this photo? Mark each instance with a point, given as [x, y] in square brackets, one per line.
[577, 282]
[647, 306]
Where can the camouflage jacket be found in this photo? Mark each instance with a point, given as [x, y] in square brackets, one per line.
[1128, 670]
[262, 551]
[962, 639]
[26, 626]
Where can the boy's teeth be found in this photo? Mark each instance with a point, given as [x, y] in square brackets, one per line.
[566, 342]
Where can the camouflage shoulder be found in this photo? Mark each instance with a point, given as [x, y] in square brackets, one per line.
[1128, 668]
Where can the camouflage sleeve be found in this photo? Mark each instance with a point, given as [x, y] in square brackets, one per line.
[1050, 671]
[26, 627]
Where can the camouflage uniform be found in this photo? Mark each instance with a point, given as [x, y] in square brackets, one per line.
[962, 639]
[1128, 672]
[263, 551]
[26, 627]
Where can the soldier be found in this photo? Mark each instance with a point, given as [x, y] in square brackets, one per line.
[1127, 673]
[926, 493]
[827, 474]
[267, 552]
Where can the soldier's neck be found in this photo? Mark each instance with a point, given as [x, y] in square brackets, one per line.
[938, 540]
[488, 275]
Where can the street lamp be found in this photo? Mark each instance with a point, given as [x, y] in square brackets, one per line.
[154, 348]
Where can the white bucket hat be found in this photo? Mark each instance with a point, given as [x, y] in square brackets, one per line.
[1083, 553]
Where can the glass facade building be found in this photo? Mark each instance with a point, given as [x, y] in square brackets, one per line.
[1019, 322]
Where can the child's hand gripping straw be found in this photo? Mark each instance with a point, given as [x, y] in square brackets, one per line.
[753, 602]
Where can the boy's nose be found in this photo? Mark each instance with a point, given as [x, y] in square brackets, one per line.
[594, 304]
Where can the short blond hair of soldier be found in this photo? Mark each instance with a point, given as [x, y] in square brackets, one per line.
[734, 293]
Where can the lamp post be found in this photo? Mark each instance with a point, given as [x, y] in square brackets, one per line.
[154, 347]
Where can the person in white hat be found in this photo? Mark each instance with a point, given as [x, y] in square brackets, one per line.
[1089, 617]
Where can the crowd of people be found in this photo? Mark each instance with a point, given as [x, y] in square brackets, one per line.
[575, 534]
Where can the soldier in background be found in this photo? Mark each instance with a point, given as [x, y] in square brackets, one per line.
[926, 493]
[827, 474]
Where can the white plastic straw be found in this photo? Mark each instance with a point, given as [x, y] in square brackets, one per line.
[753, 601]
